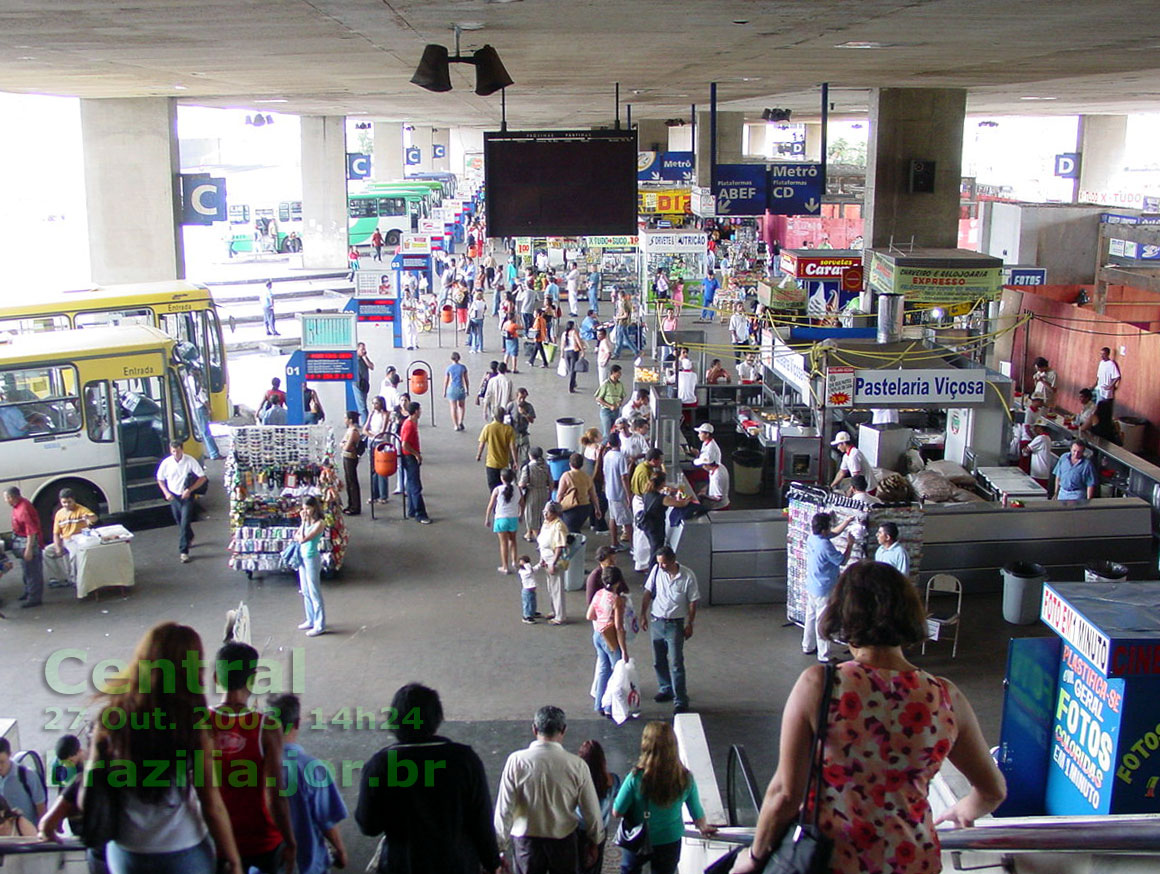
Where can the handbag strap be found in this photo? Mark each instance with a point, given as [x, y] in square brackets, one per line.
[818, 750]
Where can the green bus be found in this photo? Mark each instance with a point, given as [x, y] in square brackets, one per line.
[393, 210]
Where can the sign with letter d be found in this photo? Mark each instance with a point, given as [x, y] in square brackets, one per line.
[1067, 165]
[203, 199]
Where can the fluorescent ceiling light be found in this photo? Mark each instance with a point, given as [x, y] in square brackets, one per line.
[470, 25]
[1038, 98]
[863, 44]
[272, 100]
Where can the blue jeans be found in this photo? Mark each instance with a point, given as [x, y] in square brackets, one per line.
[665, 859]
[380, 487]
[310, 581]
[416, 509]
[606, 659]
[182, 510]
[202, 417]
[528, 601]
[594, 299]
[623, 341]
[195, 860]
[607, 420]
[668, 641]
[33, 575]
[475, 334]
[707, 310]
[360, 404]
[269, 319]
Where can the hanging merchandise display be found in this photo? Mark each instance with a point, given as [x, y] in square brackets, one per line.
[805, 502]
[269, 470]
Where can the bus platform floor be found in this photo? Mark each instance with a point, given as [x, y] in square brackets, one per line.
[425, 603]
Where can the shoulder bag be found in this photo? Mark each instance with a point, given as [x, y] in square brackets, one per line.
[100, 804]
[804, 849]
[292, 556]
[635, 838]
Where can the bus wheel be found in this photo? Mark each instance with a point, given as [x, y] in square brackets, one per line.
[393, 238]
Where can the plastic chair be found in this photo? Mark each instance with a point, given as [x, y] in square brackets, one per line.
[944, 584]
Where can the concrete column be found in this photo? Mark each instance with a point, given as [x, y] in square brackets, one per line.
[421, 138]
[681, 138]
[441, 137]
[132, 189]
[914, 124]
[324, 213]
[758, 141]
[652, 134]
[814, 142]
[387, 165]
[1102, 140]
[729, 126]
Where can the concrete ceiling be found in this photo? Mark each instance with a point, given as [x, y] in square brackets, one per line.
[355, 57]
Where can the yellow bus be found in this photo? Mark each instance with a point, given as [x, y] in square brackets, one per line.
[183, 310]
[94, 411]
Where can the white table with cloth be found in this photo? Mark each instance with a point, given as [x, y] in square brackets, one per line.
[104, 558]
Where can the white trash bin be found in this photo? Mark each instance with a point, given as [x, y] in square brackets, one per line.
[568, 433]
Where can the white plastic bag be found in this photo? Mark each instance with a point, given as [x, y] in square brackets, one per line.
[622, 696]
[562, 367]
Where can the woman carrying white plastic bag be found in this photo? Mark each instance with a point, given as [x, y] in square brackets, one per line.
[606, 612]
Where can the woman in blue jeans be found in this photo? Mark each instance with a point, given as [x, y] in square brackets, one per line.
[660, 786]
[162, 829]
[309, 537]
[606, 613]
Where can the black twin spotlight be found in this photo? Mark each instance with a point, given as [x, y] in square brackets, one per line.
[776, 114]
[434, 73]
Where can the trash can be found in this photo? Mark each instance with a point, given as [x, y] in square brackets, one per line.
[1133, 429]
[747, 471]
[1104, 572]
[568, 433]
[576, 552]
[558, 461]
[1022, 591]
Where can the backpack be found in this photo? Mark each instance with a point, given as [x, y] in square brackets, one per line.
[360, 448]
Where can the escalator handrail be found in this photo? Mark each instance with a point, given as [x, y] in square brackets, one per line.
[738, 765]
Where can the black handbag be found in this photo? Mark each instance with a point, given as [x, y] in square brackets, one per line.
[635, 838]
[100, 804]
[804, 849]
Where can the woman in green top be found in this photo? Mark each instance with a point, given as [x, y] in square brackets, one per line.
[659, 786]
[309, 537]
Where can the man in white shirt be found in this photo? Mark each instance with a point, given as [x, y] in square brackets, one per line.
[890, 551]
[572, 283]
[539, 792]
[1045, 379]
[739, 331]
[710, 450]
[179, 476]
[716, 496]
[668, 608]
[853, 462]
[499, 393]
[603, 355]
[636, 444]
[1107, 376]
[858, 491]
[639, 407]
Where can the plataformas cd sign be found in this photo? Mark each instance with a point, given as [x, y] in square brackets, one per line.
[934, 284]
[846, 387]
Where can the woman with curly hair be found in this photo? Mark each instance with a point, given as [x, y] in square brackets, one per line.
[659, 786]
[889, 729]
[151, 742]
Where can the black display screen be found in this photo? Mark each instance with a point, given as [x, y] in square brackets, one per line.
[560, 183]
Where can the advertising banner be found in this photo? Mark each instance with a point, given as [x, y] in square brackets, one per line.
[1024, 275]
[675, 242]
[839, 386]
[416, 244]
[616, 241]
[934, 284]
[922, 387]
[675, 201]
[817, 264]
[741, 189]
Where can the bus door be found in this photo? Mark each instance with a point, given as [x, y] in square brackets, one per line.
[143, 433]
[203, 329]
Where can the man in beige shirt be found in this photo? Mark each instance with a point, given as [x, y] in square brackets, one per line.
[539, 792]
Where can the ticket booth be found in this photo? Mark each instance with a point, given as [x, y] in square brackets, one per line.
[326, 361]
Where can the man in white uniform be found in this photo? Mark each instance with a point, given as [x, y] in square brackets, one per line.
[1107, 376]
[710, 450]
[853, 462]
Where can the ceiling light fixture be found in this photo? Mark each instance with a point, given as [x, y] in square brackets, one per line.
[272, 100]
[863, 44]
[1038, 98]
[259, 120]
[776, 114]
[434, 73]
[741, 21]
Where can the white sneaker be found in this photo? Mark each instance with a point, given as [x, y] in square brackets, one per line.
[305, 625]
[185, 558]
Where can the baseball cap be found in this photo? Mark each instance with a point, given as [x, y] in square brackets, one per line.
[841, 437]
[705, 428]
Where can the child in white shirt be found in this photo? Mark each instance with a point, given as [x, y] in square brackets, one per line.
[527, 572]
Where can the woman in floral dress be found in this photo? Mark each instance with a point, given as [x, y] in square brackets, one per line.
[890, 727]
[536, 484]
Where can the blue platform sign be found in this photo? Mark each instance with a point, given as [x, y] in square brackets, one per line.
[203, 199]
[438, 150]
[664, 166]
[1067, 165]
[795, 189]
[413, 156]
[741, 189]
[358, 165]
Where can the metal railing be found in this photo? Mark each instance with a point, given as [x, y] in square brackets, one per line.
[739, 778]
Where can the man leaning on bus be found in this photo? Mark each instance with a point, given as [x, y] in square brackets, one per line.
[179, 476]
[60, 564]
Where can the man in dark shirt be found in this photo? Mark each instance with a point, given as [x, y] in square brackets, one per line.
[427, 795]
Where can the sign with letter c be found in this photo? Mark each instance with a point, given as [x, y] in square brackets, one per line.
[358, 165]
[203, 199]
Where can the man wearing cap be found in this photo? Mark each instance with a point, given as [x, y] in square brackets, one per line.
[853, 462]
[710, 450]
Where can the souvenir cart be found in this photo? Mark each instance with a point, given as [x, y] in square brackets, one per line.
[269, 470]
